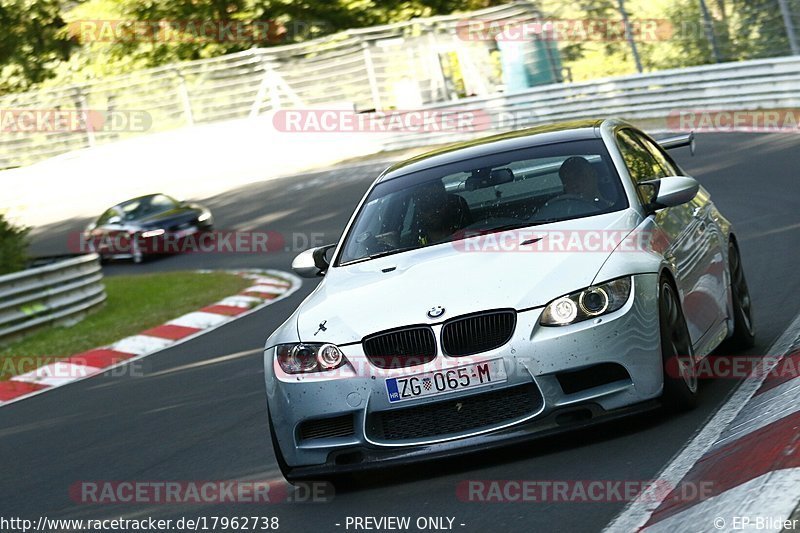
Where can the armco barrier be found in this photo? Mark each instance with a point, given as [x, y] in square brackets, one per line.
[759, 84]
[363, 68]
[60, 292]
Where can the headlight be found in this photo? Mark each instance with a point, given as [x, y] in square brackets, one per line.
[588, 303]
[309, 357]
[153, 233]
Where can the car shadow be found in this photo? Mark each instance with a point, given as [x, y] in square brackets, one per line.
[535, 448]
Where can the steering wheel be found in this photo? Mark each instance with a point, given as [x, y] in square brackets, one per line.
[489, 223]
[373, 244]
[568, 205]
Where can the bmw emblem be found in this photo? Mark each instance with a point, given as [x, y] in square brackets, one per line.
[435, 312]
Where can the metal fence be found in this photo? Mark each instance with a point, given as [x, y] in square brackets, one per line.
[403, 65]
[59, 293]
[761, 84]
[428, 63]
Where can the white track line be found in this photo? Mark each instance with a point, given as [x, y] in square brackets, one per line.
[56, 374]
[294, 280]
[638, 512]
[199, 320]
[762, 410]
[240, 301]
[141, 344]
[721, 512]
[266, 289]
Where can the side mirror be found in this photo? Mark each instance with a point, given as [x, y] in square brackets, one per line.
[312, 262]
[670, 191]
[115, 220]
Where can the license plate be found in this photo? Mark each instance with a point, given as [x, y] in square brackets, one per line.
[444, 381]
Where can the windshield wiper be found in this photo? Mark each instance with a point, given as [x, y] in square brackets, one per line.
[391, 252]
[377, 255]
[518, 225]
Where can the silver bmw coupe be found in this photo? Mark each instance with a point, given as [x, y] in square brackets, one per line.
[502, 289]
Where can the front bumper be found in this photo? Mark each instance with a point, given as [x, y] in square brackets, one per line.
[536, 360]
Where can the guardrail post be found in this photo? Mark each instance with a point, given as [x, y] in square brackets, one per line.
[183, 93]
[262, 88]
[373, 81]
[274, 93]
[83, 107]
[438, 80]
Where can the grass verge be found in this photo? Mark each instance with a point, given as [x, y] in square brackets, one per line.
[135, 303]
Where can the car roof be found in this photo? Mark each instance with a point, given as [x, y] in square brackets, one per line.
[142, 197]
[503, 142]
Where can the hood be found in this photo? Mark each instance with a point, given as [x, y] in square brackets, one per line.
[467, 276]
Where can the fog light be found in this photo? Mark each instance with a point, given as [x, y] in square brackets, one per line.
[329, 356]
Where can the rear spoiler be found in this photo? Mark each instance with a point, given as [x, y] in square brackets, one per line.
[678, 141]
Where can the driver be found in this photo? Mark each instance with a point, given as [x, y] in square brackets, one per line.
[580, 181]
[439, 214]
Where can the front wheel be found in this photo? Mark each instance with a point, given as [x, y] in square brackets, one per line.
[137, 254]
[680, 376]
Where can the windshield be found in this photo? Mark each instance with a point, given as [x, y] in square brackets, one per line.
[503, 191]
[145, 206]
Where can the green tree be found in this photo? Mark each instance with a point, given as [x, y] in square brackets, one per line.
[13, 246]
[742, 29]
[290, 21]
[592, 10]
[31, 42]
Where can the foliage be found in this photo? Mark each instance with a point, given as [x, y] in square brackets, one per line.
[13, 246]
[31, 42]
[287, 22]
[741, 29]
[43, 46]
[135, 302]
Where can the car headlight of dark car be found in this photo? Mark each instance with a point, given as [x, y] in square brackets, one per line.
[304, 357]
[588, 303]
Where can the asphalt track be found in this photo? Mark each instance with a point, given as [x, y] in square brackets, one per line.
[196, 414]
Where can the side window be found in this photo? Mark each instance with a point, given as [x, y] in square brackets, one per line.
[641, 164]
[105, 217]
[161, 202]
[663, 159]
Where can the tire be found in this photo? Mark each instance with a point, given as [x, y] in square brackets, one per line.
[137, 254]
[680, 377]
[286, 471]
[744, 332]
